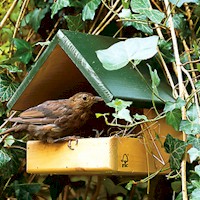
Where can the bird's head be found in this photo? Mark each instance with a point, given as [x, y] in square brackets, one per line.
[84, 100]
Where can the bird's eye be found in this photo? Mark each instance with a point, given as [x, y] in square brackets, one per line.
[84, 98]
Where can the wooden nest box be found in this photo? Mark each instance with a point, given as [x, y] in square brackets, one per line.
[70, 65]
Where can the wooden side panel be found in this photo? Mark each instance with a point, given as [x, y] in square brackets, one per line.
[90, 155]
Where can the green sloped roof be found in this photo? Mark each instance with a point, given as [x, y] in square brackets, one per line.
[69, 65]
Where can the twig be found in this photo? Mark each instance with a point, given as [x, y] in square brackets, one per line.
[21, 14]
[8, 120]
[96, 18]
[98, 187]
[99, 27]
[192, 61]
[88, 187]
[8, 13]
[181, 93]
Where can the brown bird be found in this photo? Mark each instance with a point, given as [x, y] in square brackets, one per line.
[55, 119]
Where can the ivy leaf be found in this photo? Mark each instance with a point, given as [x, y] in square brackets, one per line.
[58, 5]
[194, 153]
[123, 114]
[113, 188]
[74, 23]
[179, 21]
[119, 104]
[195, 194]
[197, 169]
[192, 113]
[174, 118]
[154, 79]
[166, 50]
[144, 7]
[125, 13]
[170, 106]
[7, 88]
[139, 21]
[179, 3]
[194, 141]
[11, 68]
[24, 51]
[26, 190]
[9, 141]
[119, 54]
[35, 17]
[176, 149]
[89, 9]
[197, 85]
[176, 186]
[4, 158]
[190, 127]
[140, 117]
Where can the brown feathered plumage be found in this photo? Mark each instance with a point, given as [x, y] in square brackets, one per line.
[55, 118]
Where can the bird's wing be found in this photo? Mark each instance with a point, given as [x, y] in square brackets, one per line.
[44, 113]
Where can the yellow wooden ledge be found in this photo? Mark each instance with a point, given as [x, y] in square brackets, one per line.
[107, 155]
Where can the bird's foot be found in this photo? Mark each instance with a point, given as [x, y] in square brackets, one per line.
[69, 139]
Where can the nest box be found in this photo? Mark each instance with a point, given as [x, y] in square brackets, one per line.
[69, 65]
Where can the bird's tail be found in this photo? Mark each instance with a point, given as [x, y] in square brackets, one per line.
[17, 128]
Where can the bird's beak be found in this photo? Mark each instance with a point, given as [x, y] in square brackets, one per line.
[97, 99]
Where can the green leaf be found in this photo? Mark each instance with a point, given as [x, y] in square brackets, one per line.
[195, 194]
[176, 186]
[166, 50]
[4, 158]
[125, 13]
[194, 153]
[89, 9]
[141, 23]
[58, 5]
[196, 183]
[197, 85]
[179, 21]
[179, 3]
[174, 118]
[125, 3]
[119, 104]
[176, 149]
[74, 23]
[194, 141]
[56, 184]
[144, 7]
[190, 127]
[154, 79]
[34, 18]
[140, 117]
[7, 88]
[197, 169]
[26, 190]
[192, 113]
[170, 106]
[9, 141]
[113, 189]
[119, 54]
[11, 68]
[123, 114]
[24, 51]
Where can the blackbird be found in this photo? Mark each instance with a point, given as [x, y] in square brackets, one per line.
[55, 119]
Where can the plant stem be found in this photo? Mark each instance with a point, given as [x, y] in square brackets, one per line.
[181, 92]
[8, 13]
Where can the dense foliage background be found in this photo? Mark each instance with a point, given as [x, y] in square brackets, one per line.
[26, 28]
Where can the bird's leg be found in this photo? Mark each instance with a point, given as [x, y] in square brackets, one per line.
[69, 139]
